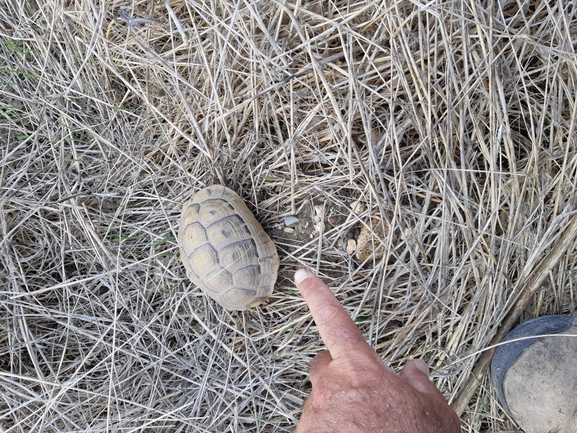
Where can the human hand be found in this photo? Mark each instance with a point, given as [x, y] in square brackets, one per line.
[353, 390]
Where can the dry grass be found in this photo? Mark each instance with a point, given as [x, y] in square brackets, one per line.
[452, 121]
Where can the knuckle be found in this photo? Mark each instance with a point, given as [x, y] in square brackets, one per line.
[327, 314]
[320, 397]
[343, 334]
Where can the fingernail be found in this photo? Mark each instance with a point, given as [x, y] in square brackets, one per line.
[422, 365]
[301, 275]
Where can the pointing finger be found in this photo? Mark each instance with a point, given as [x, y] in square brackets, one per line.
[338, 331]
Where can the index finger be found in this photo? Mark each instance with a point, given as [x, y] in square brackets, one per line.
[338, 331]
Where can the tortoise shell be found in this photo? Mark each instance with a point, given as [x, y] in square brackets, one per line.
[225, 250]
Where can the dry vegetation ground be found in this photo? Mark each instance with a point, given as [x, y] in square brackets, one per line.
[445, 127]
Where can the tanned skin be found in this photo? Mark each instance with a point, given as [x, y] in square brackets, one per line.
[353, 390]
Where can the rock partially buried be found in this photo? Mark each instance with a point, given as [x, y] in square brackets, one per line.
[225, 250]
[372, 239]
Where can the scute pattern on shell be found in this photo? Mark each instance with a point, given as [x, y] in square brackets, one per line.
[225, 250]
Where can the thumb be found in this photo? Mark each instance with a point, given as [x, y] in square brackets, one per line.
[416, 373]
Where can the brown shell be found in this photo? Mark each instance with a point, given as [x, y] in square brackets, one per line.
[225, 250]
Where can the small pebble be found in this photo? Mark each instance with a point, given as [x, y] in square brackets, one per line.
[351, 247]
[290, 220]
[357, 207]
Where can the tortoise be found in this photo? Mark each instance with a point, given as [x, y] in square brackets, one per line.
[225, 250]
